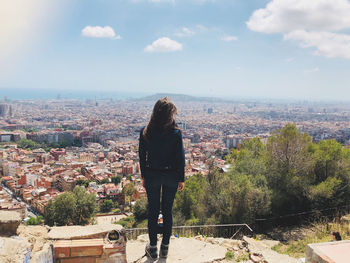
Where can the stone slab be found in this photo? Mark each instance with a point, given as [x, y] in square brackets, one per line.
[185, 250]
[328, 252]
[76, 232]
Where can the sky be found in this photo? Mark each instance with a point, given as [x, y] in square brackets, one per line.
[290, 49]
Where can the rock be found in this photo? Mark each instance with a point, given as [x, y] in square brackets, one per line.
[235, 248]
[9, 222]
[13, 249]
[143, 238]
[199, 237]
[37, 238]
[210, 240]
[219, 240]
[268, 254]
[44, 255]
[256, 258]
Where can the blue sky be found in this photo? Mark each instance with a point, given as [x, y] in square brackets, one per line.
[225, 48]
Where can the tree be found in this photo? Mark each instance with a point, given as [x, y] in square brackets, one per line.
[288, 150]
[64, 206]
[104, 181]
[331, 184]
[140, 209]
[85, 206]
[107, 206]
[26, 144]
[188, 201]
[229, 158]
[251, 159]
[328, 155]
[82, 182]
[129, 190]
[290, 168]
[50, 213]
[129, 177]
[116, 179]
[69, 208]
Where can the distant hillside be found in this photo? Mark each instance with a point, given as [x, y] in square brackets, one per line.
[180, 97]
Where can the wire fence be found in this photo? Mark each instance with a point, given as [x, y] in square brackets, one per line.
[262, 225]
[225, 231]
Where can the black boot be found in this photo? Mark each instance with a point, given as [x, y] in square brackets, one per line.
[151, 251]
[163, 251]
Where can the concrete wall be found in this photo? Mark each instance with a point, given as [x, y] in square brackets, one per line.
[328, 252]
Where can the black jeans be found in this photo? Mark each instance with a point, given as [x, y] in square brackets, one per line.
[157, 184]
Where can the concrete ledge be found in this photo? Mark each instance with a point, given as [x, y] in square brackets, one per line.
[9, 222]
[80, 232]
[328, 252]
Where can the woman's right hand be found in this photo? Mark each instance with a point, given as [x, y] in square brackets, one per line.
[181, 186]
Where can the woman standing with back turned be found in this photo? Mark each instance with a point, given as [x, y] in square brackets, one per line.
[162, 164]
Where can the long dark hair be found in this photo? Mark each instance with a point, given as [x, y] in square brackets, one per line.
[162, 118]
[336, 235]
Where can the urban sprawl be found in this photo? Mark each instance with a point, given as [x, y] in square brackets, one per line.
[95, 140]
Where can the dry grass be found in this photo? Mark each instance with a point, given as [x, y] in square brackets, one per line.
[320, 233]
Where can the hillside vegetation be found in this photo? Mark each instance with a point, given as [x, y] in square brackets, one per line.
[290, 174]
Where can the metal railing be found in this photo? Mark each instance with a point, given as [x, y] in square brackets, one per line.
[225, 231]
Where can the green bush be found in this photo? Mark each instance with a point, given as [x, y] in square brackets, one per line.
[107, 206]
[229, 255]
[140, 209]
[34, 220]
[127, 222]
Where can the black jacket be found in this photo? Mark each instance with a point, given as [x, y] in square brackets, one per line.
[163, 152]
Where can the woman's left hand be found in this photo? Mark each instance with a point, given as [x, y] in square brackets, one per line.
[181, 186]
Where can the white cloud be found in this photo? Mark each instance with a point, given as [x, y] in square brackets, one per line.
[327, 44]
[164, 44]
[312, 70]
[191, 31]
[100, 32]
[229, 38]
[185, 32]
[280, 16]
[315, 23]
[201, 28]
[288, 60]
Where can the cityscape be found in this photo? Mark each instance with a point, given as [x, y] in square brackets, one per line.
[74, 141]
